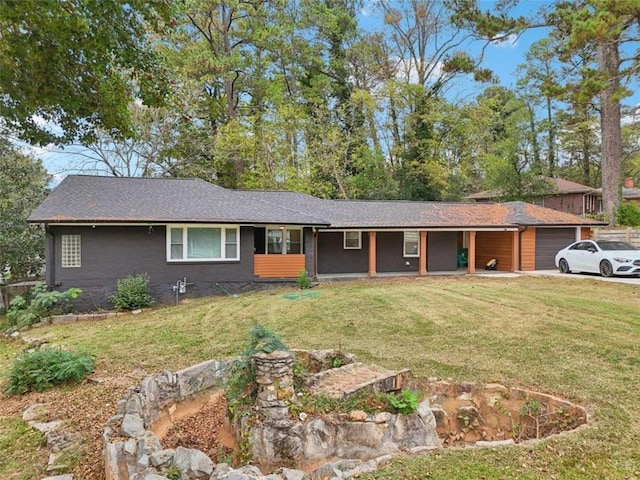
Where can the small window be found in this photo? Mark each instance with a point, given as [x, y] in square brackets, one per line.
[202, 243]
[411, 244]
[294, 241]
[71, 254]
[284, 240]
[352, 240]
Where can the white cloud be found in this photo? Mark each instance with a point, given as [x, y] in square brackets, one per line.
[510, 41]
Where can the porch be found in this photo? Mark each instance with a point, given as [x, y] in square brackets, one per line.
[374, 253]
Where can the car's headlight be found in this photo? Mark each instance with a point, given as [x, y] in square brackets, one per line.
[622, 260]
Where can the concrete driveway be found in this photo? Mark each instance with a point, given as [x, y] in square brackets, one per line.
[584, 276]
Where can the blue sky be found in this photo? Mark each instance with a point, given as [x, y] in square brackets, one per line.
[503, 59]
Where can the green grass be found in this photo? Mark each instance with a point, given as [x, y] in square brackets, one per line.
[579, 339]
[21, 450]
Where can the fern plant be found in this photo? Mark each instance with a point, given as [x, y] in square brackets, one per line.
[39, 370]
[241, 386]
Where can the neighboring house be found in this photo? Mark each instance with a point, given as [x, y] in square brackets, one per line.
[630, 194]
[565, 196]
[568, 196]
[101, 229]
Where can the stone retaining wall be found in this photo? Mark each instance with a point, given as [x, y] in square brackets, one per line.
[132, 450]
[355, 442]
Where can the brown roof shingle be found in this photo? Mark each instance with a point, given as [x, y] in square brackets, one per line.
[140, 200]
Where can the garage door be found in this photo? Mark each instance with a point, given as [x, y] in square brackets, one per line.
[548, 242]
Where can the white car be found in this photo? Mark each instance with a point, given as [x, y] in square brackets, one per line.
[605, 257]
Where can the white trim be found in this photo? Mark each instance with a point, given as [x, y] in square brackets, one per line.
[71, 250]
[344, 240]
[404, 244]
[284, 229]
[223, 244]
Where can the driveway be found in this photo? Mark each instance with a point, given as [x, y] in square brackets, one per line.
[584, 276]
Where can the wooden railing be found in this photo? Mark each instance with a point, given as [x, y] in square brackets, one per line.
[278, 266]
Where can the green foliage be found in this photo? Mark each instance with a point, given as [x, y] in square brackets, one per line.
[23, 185]
[304, 282]
[40, 370]
[241, 387]
[172, 472]
[132, 292]
[80, 65]
[41, 303]
[629, 214]
[366, 401]
[406, 402]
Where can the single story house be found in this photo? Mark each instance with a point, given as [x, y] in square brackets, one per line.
[101, 229]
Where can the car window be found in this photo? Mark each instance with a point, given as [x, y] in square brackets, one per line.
[612, 245]
[577, 246]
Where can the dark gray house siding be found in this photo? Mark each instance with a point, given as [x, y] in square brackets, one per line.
[112, 252]
[308, 250]
[334, 258]
[442, 251]
[390, 254]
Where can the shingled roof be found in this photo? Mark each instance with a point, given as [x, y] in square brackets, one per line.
[83, 198]
[93, 199]
[560, 187]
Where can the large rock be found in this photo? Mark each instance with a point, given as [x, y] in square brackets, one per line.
[193, 464]
[132, 426]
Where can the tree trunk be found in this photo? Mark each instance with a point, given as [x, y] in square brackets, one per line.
[610, 129]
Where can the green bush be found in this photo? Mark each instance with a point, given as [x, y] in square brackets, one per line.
[132, 292]
[304, 281]
[629, 215]
[405, 403]
[42, 303]
[39, 370]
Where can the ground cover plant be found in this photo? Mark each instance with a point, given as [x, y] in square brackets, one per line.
[577, 338]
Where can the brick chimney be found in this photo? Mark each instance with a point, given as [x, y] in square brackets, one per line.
[628, 182]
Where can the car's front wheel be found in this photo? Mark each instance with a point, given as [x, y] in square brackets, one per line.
[606, 270]
[563, 266]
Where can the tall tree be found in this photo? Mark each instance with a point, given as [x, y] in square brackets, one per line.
[604, 26]
[67, 68]
[23, 185]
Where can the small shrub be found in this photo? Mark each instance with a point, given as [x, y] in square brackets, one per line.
[405, 403]
[240, 386]
[132, 292]
[40, 370]
[42, 303]
[304, 282]
[628, 215]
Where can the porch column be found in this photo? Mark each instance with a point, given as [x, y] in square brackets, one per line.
[471, 267]
[372, 254]
[516, 251]
[422, 270]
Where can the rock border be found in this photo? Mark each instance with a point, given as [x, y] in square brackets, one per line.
[132, 451]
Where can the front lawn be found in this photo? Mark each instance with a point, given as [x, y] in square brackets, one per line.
[579, 339]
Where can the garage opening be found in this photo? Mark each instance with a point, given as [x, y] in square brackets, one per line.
[548, 242]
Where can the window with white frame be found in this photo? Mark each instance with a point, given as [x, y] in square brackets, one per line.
[203, 243]
[352, 240]
[284, 240]
[71, 253]
[411, 244]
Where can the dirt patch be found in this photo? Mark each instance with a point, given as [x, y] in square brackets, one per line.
[467, 413]
[206, 429]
